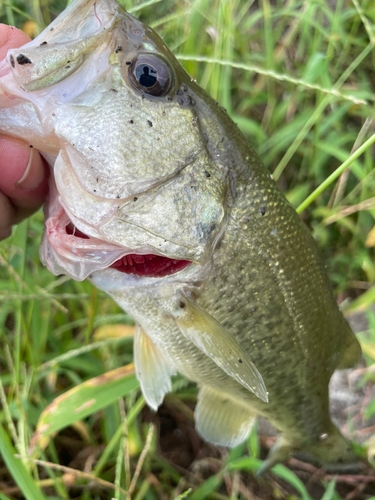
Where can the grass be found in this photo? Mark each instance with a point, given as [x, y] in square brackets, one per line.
[297, 76]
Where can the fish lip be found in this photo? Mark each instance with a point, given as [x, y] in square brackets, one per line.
[72, 230]
[64, 251]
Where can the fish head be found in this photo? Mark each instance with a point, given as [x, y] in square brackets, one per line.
[137, 153]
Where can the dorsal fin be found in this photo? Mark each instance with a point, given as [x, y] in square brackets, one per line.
[220, 420]
[152, 371]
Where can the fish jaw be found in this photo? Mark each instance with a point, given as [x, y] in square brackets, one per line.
[65, 249]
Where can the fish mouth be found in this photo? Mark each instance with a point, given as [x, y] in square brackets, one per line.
[150, 265]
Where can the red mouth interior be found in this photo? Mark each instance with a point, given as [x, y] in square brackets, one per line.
[154, 266]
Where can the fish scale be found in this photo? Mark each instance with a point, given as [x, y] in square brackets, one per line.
[155, 167]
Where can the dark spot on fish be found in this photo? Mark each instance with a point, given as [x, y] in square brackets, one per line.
[67, 62]
[131, 121]
[183, 87]
[94, 190]
[149, 123]
[179, 92]
[128, 63]
[182, 304]
[22, 59]
[144, 38]
[262, 210]
[67, 67]
[192, 102]
[239, 360]
[169, 98]
[43, 43]
[53, 114]
[31, 146]
[52, 29]
[118, 49]
[222, 107]
[136, 32]
[135, 199]
[216, 102]
[12, 61]
[207, 174]
[114, 90]
[118, 196]
[180, 101]
[245, 219]
[97, 179]
[188, 100]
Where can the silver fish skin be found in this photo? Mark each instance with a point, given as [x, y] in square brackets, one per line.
[143, 168]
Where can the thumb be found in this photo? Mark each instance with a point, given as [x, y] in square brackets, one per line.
[24, 174]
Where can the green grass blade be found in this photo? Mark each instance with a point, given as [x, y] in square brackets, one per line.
[184, 495]
[207, 488]
[143, 5]
[272, 74]
[335, 174]
[83, 400]
[21, 476]
[289, 476]
[330, 491]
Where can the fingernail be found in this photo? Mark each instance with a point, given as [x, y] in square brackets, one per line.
[34, 172]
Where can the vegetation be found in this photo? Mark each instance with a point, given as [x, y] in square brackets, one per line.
[298, 78]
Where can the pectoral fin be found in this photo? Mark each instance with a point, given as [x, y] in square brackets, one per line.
[209, 336]
[151, 369]
[220, 420]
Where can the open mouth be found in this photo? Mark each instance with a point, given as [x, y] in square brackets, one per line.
[154, 266]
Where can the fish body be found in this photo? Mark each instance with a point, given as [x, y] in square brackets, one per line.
[160, 201]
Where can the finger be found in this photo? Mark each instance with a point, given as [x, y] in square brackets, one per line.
[7, 214]
[24, 175]
[10, 38]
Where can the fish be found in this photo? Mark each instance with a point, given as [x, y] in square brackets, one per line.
[158, 199]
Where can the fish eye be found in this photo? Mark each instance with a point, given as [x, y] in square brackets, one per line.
[150, 74]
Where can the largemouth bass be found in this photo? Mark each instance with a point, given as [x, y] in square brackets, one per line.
[159, 200]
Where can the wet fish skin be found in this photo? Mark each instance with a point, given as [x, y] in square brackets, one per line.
[257, 270]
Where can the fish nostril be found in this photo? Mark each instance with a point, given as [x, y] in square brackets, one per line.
[22, 59]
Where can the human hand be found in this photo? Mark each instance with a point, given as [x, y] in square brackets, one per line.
[23, 172]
